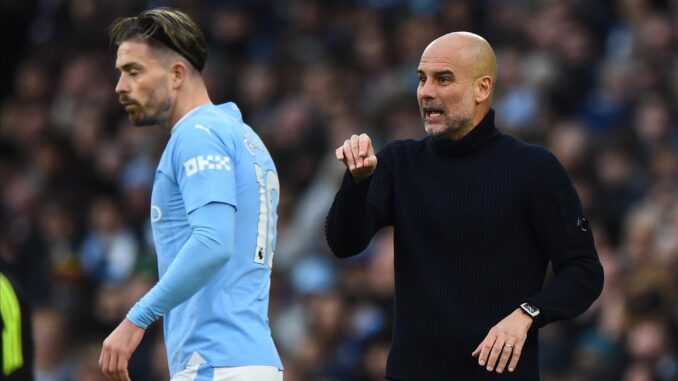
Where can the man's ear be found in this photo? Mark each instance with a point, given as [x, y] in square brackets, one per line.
[483, 88]
[178, 74]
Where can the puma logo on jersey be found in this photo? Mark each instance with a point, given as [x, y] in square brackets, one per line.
[201, 127]
[201, 163]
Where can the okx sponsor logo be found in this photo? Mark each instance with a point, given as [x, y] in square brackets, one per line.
[207, 162]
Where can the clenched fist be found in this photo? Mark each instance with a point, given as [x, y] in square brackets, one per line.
[358, 156]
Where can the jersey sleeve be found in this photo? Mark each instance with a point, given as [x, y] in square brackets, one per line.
[203, 164]
[206, 252]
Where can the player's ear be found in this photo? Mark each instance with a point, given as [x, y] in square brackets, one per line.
[179, 72]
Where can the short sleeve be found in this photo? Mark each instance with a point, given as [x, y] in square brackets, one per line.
[204, 167]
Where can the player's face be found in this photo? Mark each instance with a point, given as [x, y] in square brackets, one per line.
[445, 93]
[143, 87]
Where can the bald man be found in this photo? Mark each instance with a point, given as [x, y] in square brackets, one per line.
[477, 217]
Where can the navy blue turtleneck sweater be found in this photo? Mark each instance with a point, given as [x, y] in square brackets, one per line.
[476, 222]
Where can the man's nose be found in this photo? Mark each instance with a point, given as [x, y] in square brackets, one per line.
[427, 90]
[121, 86]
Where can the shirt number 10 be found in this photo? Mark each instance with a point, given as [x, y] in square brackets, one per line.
[269, 186]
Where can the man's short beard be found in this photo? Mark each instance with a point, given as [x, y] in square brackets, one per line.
[147, 121]
[158, 119]
[154, 120]
[453, 127]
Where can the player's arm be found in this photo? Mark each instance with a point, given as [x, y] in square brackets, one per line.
[362, 205]
[207, 250]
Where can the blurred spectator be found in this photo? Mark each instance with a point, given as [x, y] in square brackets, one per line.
[54, 357]
[87, 368]
[109, 250]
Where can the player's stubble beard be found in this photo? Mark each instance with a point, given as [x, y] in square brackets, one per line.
[154, 112]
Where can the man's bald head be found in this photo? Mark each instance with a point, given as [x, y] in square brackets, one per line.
[469, 49]
[456, 74]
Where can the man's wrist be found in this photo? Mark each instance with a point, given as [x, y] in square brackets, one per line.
[529, 321]
[133, 324]
[137, 316]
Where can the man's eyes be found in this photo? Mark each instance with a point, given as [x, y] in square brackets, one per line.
[443, 79]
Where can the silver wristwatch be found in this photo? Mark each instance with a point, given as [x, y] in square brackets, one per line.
[530, 309]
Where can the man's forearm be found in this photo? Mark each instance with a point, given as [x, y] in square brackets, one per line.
[574, 288]
[347, 224]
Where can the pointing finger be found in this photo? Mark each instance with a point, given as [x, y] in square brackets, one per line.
[364, 143]
[348, 155]
[355, 149]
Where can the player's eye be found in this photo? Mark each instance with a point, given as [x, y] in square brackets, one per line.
[421, 79]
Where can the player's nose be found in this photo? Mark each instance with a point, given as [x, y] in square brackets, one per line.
[121, 86]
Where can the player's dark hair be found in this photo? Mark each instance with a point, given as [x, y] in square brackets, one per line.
[166, 27]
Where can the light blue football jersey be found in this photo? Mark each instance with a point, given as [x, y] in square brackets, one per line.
[213, 156]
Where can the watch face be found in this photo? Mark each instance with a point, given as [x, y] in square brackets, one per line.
[530, 309]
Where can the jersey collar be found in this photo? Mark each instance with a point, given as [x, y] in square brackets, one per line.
[186, 115]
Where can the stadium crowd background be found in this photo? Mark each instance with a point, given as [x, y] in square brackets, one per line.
[594, 81]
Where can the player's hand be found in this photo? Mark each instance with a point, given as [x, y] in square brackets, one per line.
[358, 156]
[504, 342]
[118, 348]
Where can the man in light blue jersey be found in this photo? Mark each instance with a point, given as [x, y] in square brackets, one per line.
[213, 212]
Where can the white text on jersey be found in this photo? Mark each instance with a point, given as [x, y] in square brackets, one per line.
[201, 163]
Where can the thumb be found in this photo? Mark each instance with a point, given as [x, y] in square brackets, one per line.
[477, 351]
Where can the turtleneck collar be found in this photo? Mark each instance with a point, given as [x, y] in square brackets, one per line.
[479, 136]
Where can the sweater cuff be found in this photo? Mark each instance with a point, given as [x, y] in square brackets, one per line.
[537, 321]
[353, 187]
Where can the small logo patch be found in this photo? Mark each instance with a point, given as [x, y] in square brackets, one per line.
[583, 224]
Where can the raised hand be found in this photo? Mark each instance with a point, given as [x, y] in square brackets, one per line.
[358, 156]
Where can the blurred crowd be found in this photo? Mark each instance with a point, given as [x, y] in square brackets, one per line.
[594, 81]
